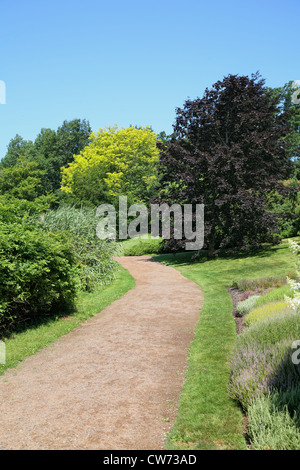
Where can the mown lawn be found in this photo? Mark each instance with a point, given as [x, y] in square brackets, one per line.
[139, 246]
[207, 417]
[27, 342]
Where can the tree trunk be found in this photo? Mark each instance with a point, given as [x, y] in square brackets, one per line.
[211, 248]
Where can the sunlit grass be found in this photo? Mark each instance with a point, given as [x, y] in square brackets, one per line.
[207, 417]
[139, 246]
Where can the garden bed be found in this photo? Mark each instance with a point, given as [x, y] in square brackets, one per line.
[237, 295]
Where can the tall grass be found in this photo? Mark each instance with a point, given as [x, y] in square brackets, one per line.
[94, 256]
[262, 283]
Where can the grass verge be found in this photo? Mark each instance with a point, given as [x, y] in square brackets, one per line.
[25, 343]
[207, 418]
[139, 246]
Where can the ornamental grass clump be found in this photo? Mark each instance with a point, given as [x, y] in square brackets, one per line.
[266, 311]
[94, 256]
[245, 306]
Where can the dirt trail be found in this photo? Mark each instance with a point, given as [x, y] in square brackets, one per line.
[114, 382]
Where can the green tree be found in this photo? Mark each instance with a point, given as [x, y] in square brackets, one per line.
[164, 137]
[22, 181]
[16, 148]
[116, 162]
[55, 149]
[285, 95]
[21, 192]
[229, 152]
[51, 150]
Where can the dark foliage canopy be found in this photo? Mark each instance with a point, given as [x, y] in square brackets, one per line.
[228, 152]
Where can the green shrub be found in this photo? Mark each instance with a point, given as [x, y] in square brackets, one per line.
[94, 256]
[13, 210]
[272, 330]
[271, 426]
[37, 273]
[275, 295]
[142, 247]
[264, 311]
[245, 306]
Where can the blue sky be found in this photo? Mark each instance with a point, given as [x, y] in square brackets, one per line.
[133, 62]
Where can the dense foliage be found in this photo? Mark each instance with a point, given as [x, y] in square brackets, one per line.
[237, 151]
[286, 206]
[228, 152]
[46, 256]
[117, 162]
[51, 150]
[286, 94]
[93, 256]
[37, 274]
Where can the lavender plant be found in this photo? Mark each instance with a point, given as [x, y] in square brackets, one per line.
[257, 371]
[245, 306]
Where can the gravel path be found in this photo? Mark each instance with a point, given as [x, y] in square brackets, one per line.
[114, 382]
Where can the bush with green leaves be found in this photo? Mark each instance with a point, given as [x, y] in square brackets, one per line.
[264, 311]
[21, 195]
[37, 274]
[94, 256]
[14, 210]
[245, 306]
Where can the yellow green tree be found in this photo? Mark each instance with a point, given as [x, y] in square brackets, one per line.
[116, 162]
